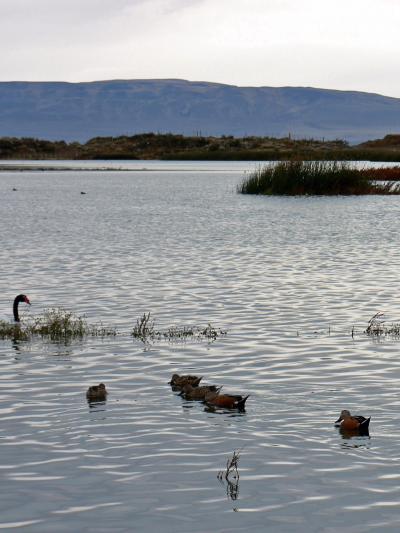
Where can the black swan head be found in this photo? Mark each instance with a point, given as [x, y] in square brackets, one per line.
[19, 298]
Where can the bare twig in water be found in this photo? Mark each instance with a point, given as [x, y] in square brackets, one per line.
[232, 485]
[231, 467]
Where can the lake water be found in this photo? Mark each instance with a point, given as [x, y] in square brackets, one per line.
[288, 278]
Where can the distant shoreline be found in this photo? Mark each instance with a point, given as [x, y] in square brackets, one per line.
[44, 168]
[171, 147]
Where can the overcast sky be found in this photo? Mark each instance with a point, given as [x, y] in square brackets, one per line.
[341, 44]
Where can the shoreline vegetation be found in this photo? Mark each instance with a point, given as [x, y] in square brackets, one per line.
[55, 324]
[150, 146]
[294, 178]
[60, 325]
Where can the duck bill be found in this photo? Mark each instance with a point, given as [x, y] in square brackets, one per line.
[339, 420]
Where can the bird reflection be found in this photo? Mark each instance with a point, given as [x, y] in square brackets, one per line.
[96, 405]
[219, 410]
[16, 346]
[187, 406]
[354, 439]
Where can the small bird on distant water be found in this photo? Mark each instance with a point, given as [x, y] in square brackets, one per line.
[83, 192]
[14, 189]
[96, 393]
[179, 382]
[348, 422]
[198, 393]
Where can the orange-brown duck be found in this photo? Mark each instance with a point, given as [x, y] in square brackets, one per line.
[229, 401]
[97, 393]
[347, 422]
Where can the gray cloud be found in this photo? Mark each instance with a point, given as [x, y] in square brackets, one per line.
[341, 44]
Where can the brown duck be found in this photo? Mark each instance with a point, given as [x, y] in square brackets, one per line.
[198, 393]
[229, 401]
[348, 422]
[96, 393]
[179, 382]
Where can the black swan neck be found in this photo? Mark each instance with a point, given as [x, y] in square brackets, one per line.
[19, 298]
[15, 309]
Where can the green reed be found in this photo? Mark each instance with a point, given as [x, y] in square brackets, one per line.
[313, 178]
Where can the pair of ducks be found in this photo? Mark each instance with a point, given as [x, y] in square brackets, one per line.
[210, 394]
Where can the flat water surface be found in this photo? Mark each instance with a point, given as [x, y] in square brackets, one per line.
[294, 282]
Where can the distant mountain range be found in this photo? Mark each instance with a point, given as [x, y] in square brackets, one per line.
[80, 111]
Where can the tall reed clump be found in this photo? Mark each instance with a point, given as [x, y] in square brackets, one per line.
[56, 325]
[313, 178]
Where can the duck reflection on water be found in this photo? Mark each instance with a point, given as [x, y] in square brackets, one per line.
[352, 440]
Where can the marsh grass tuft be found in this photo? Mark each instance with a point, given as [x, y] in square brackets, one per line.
[13, 331]
[377, 327]
[181, 332]
[55, 324]
[314, 178]
[145, 331]
[59, 324]
[144, 328]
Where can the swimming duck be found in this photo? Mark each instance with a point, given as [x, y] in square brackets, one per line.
[348, 422]
[179, 382]
[198, 393]
[230, 401]
[97, 393]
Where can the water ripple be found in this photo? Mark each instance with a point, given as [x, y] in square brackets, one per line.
[293, 280]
